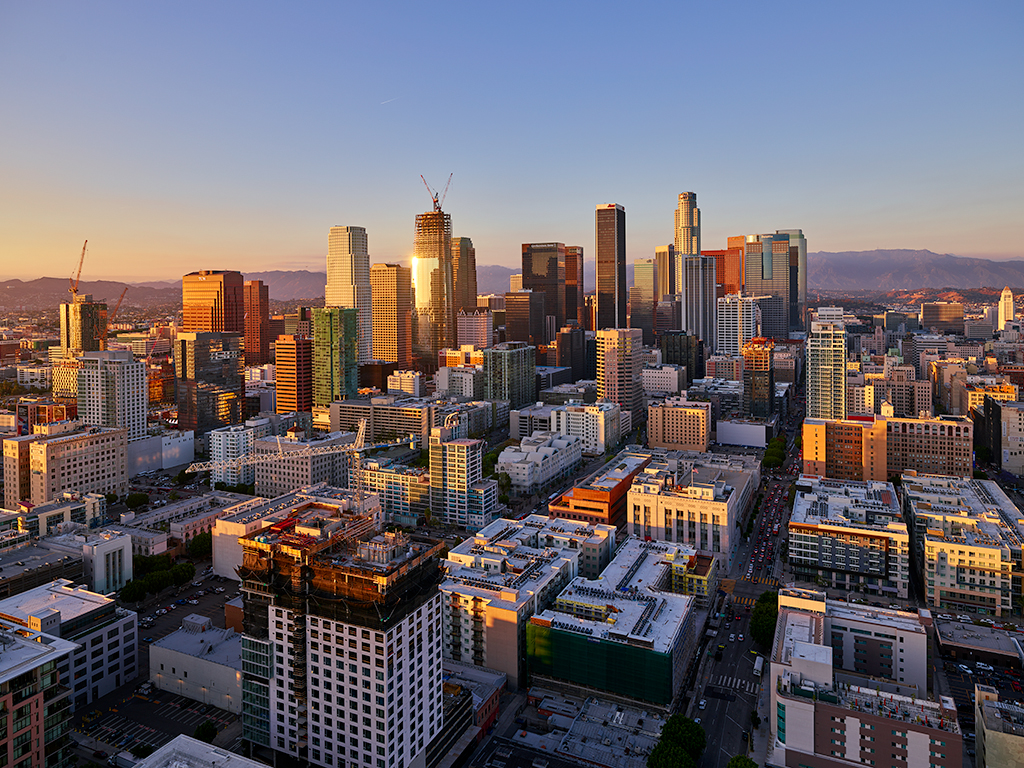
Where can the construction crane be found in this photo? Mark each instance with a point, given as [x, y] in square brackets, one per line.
[110, 316]
[434, 195]
[354, 449]
[73, 290]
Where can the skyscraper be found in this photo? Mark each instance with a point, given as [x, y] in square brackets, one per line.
[571, 352]
[611, 266]
[687, 242]
[665, 255]
[618, 369]
[758, 378]
[257, 322]
[294, 373]
[459, 495]
[510, 373]
[82, 323]
[1006, 314]
[524, 317]
[643, 297]
[210, 385]
[766, 273]
[699, 297]
[728, 270]
[335, 355]
[348, 281]
[797, 276]
[942, 316]
[213, 301]
[574, 283]
[392, 313]
[544, 268]
[826, 371]
[112, 391]
[434, 320]
[737, 323]
[463, 274]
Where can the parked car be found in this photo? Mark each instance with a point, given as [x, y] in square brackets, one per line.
[965, 669]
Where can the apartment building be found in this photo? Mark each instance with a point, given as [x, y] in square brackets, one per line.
[679, 424]
[541, 459]
[404, 491]
[387, 417]
[106, 556]
[294, 468]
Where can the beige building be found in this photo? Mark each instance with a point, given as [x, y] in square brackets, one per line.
[679, 424]
[1000, 730]
[295, 468]
[391, 286]
[969, 393]
[618, 369]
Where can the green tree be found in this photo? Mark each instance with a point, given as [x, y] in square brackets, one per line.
[183, 573]
[112, 498]
[764, 617]
[158, 581]
[133, 591]
[143, 750]
[144, 564]
[136, 500]
[741, 761]
[687, 734]
[504, 482]
[668, 754]
[200, 547]
[206, 731]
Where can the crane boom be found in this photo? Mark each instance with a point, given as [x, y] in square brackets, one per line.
[445, 193]
[433, 194]
[73, 290]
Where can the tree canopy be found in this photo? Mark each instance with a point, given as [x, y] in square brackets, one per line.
[206, 731]
[764, 617]
[681, 745]
[200, 546]
[741, 761]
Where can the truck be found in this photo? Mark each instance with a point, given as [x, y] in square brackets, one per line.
[122, 760]
[758, 666]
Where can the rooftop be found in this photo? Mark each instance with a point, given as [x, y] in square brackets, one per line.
[978, 638]
[612, 735]
[973, 512]
[22, 650]
[800, 635]
[857, 504]
[59, 595]
[185, 752]
[24, 559]
[199, 638]
[1003, 717]
[313, 500]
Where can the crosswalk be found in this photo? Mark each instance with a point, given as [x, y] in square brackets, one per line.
[736, 683]
[743, 600]
[770, 581]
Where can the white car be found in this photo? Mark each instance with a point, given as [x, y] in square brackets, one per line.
[732, 638]
[703, 704]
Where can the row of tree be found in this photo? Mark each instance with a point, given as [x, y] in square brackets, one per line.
[155, 582]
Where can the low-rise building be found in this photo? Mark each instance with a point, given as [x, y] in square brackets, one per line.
[999, 726]
[679, 424]
[850, 535]
[293, 467]
[106, 556]
[404, 491]
[26, 566]
[106, 635]
[88, 509]
[460, 381]
[663, 379]
[146, 542]
[540, 459]
[200, 662]
[601, 498]
[508, 571]
[408, 382]
[185, 752]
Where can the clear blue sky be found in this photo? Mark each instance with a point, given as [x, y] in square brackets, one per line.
[178, 136]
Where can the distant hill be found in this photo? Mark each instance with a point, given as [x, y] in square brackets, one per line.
[287, 285]
[885, 270]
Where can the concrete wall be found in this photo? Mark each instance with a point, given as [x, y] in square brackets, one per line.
[197, 679]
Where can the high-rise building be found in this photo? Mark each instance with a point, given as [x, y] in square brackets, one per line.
[687, 228]
[459, 495]
[737, 323]
[82, 325]
[758, 378]
[1006, 314]
[524, 317]
[766, 273]
[348, 281]
[294, 372]
[475, 326]
[618, 369]
[574, 283]
[544, 270]
[679, 424]
[699, 297]
[257, 322]
[643, 297]
[210, 382]
[682, 348]
[942, 317]
[335, 366]
[728, 270]
[463, 274]
[826, 371]
[665, 256]
[434, 320]
[510, 373]
[571, 351]
[213, 301]
[392, 313]
[611, 266]
[112, 391]
[797, 276]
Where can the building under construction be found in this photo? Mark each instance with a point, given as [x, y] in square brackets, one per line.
[325, 591]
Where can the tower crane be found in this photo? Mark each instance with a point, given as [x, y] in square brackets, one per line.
[73, 289]
[434, 195]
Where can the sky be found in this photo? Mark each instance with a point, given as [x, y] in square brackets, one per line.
[187, 135]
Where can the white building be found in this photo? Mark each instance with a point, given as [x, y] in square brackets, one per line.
[185, 752]
[235, 442]
[107, 636]
[145, 542]
[163, 450]
[664, 379]
[35, 376]
[409, 382]
[459, 494]
[542, 458]
[288, 472]
[598, 425]
[737, 323]
[404, 491]
[1006, 313]
[826, 370]
[475, 327]
[459, 381]
[112, 392]
[348, 281]
[200, 662]
[106, 556]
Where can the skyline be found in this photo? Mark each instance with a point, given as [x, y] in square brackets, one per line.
[236, 136]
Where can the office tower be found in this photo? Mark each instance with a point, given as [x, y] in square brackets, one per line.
[681, 348]
[766, 273]
[510, 373]
[699, 297]
[797, 276]
[475, 326]
[737, 323]
[348, 281]
[257, 322]
[335, 361]
[611, 266]
[1006, 314]
[643, 297]
[666, 316]
[493, 302]
[942, 317]
[728, 270]
[758, 378]
[665, 256]
[618, 369]
[679, 425]
[434, 320]
[544, 271]
[687, 229]
[459, 495]
[112, 391]
[826, 371]
[294, 372]
[515, 283]
[570, 351]
[524, 317]
[368, 602]
[463, 274]
[574, 283]
[208, 370]
[392, 313]
[83, 323]
[213, 301]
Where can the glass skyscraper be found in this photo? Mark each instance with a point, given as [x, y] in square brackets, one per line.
[611, 266]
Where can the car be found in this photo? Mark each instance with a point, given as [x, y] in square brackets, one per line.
[147, 639]
[732, 638]
[193, 602]
[741, 637]
[985, 667]
[197, 583]
[965, 669]
[696, 720]
[182, 601]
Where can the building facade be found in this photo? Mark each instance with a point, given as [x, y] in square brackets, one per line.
[256, 299]
[294, 373]
[213, 301]
[112, 392]
[391, 288]
[611, 266]
[826, 371]
[335, 355]
[679, 424]
[348, 282]
[618, 369]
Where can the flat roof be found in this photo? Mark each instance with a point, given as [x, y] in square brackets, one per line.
[199, 638]
[868, 505]
[58, 595]
[978, 638]
[24, 559]
[185, 752]
[904, 621]
[612, 735]
[22, 650]
[1003, 717]
[796, 627]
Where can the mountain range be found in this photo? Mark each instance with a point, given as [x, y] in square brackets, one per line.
[878, 270]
